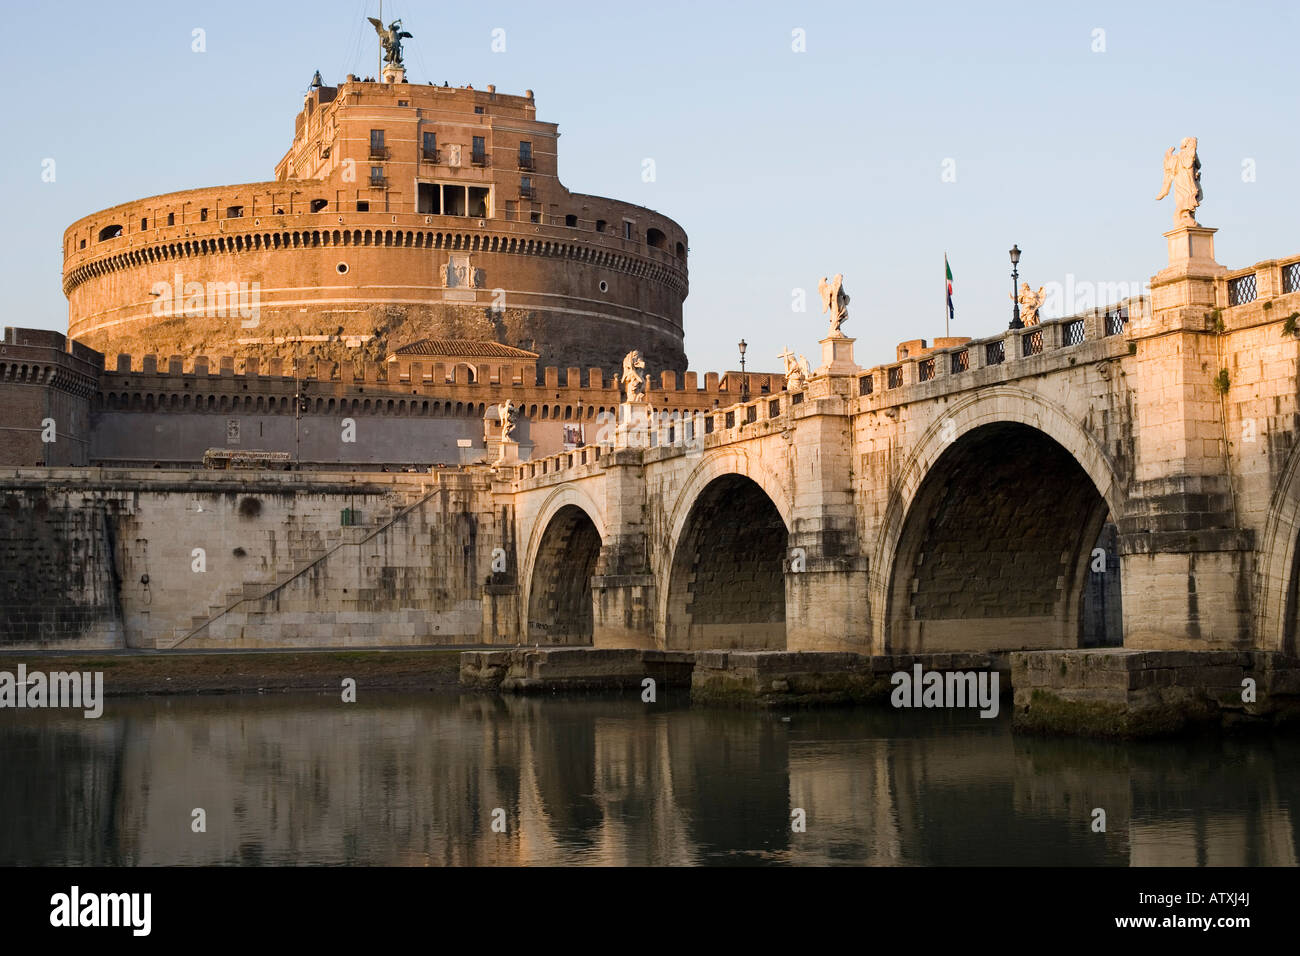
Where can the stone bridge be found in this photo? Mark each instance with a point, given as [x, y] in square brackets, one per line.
[975, 498]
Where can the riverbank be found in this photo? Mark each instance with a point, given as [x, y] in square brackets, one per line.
[236, 673]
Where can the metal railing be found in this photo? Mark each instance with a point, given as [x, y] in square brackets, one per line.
[895, 377]
[1291, 278]
[1242, 289]
[961, 361]
[1116, 319]
[866, 385]
[1074, 332]
[925, 369]
[378, 182]
[1031, 343]
[525, 192]
[379, 152]
[526, 162]
[429, 155]
[478, 159]
[995, 353]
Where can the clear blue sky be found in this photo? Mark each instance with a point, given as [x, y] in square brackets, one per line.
[782, 166]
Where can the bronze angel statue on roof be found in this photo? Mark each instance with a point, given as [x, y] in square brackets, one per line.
[391, 38]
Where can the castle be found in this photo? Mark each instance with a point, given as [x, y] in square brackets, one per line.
[400, 212]
[415, 261]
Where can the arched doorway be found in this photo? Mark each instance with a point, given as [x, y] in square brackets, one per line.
[559, 596]
[727, 584]
[997, 550]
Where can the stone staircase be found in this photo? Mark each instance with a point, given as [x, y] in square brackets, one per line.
[302, 555]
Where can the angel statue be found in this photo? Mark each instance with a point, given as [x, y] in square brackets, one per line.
[633, 379]
[508, 420]
[1030, 302]
[797, 371]
[392, 39]
[1183, 172]
[835, 301]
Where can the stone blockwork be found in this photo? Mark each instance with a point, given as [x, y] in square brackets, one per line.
[166, 559]
[1116, 692]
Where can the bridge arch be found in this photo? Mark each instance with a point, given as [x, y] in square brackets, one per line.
[722, 583]
[563, 548]
[1277, 584]
[987, 538]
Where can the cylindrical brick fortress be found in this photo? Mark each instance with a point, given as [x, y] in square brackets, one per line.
[401, 212]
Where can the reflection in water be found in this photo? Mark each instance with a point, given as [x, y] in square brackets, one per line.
[414, 780]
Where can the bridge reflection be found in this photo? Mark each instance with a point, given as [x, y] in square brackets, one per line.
[416, 780]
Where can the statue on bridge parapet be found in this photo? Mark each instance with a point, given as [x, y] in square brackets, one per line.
[633, 378]
[1183, 173]
[1030, 302]
[835, 301]
[509, 421]
[797, 371]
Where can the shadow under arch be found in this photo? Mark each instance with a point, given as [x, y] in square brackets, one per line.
[726, 583]
[559, 608]
[994, 547]
[1277, 583]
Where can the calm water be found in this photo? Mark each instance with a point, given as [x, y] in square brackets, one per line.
[414, 780]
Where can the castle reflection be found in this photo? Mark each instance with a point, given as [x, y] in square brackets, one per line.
[421, 780]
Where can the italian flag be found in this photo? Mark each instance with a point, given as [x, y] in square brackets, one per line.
[948, 271]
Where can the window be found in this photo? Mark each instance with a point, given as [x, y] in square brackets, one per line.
[110, 232]
[571, 220]
[478, 154]
[525, 187]
[427, 199]
[171, 219]
[235, 212]
[627, 229]
[319, 205]
[431, 147]
[83, 243]
[144, 224]
[525, 155]
[203, 214]
[478, 109]
[478, 202]
[534, 217]
[363, 205]
[600, 225]
[377, 150]
[403, 102]
[656, 238]
[377, 176]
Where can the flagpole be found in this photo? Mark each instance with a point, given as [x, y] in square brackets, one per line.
[945, 294]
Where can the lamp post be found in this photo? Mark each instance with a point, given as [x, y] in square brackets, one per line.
[744, 379]
[1015, 279]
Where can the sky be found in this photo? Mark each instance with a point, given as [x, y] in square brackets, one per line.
[791, 140]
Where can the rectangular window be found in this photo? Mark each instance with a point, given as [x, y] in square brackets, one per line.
[627, 229]
[377, 150]
[478, 109]
[431, 147]
[525, 155]
[203, 214]
[171, 219]
[363, 205]
[534, 217]
[525, 187]
[453, 200]
[428, 196]
[478, 155]
[376, 175]
[234, 212]
[479, 202]
[144, 224]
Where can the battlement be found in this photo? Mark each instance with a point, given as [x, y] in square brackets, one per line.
[488, 381]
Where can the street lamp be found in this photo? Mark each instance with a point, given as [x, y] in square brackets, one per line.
[1015, 279]
[744, 379]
